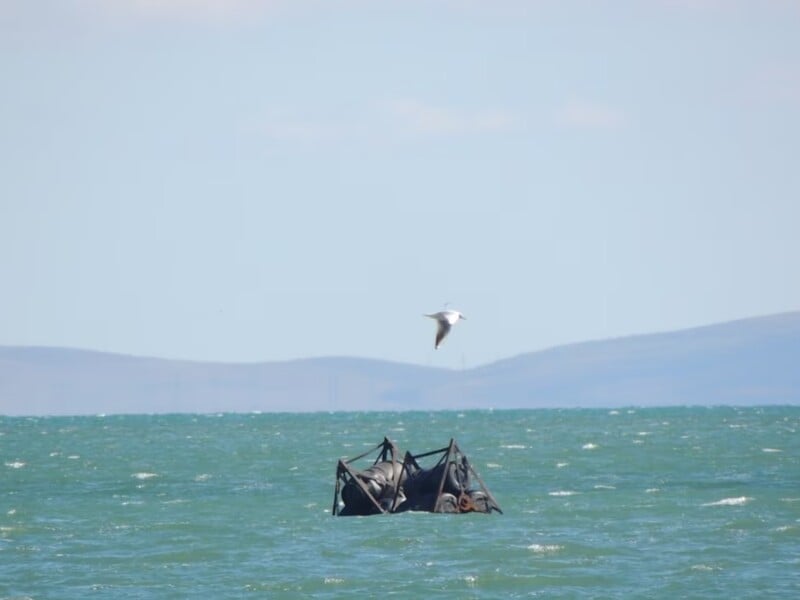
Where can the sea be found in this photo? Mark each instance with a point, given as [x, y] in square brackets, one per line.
[681, 502]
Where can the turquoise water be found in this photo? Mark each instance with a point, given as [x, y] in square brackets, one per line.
[650, 503]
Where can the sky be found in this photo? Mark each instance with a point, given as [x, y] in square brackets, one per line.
[259, 180]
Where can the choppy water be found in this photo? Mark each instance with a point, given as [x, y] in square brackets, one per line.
[656, 503]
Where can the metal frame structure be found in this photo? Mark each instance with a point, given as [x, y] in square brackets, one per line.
[453, 464]
[345, 474]
[451, 458]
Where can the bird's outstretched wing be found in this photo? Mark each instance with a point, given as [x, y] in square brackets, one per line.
[441, 331]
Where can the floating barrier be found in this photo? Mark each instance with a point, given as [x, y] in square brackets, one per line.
[392, 486]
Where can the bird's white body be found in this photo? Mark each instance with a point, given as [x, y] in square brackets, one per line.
[445, 319]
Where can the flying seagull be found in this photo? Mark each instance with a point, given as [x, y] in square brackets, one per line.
[445, 320]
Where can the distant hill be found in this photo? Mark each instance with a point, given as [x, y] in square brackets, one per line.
[747, 362]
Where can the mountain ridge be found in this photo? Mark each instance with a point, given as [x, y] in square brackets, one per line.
[746, 361]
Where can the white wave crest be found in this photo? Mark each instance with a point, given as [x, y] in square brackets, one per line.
[560, 493]
[740, 501]
[589, 446]
[545, 548]
[17, 464]
[144, 475]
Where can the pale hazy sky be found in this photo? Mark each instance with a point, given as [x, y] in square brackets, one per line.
[263, 180]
